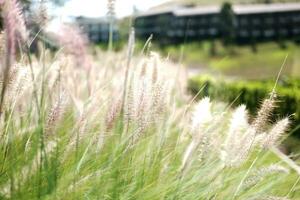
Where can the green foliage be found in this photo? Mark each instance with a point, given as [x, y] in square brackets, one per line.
[227, 21]
[251, 93]
[262, 64]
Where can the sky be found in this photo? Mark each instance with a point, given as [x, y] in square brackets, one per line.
[98, 8]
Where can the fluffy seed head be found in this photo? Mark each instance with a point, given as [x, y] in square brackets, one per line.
[75, 43]
[14, 25]
[269, 198]
[55, 114]
[155, 59]
[273, 137]
[41, 16]
[263, 114]
[113, 113]
[238, 140]
[111, 8]
[202, 114]
[262, 173]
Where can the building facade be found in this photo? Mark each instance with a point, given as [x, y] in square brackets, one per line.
[253, 22]
[97, 29]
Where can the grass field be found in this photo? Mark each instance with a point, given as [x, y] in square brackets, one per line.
[243, 63]
[118, 125]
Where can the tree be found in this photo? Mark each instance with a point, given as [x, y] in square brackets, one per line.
[227, 24]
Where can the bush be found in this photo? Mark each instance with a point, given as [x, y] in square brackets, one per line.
[250, 93]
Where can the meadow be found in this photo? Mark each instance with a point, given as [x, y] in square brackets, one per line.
[243, 63]
[107, 125]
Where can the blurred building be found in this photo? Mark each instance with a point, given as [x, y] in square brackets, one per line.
[97, 29]
[252, 22]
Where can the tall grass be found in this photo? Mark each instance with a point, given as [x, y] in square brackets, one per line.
[69, 131]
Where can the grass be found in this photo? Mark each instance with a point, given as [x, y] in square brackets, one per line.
[82, 146]
[244, 63]
[71, 129]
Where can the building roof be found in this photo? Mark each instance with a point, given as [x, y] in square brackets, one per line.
[203, 10]
[238, 9]
[266, 8]
[159, 11]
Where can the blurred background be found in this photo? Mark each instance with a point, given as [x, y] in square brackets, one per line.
[230, 50]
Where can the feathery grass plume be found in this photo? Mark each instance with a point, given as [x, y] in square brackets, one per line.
[130, 50]
[201, 117]
[15, 32]
[75, 43]
[2, 47]
[144, 67]
[111, 8]
[155, 59]
[55, 114]
[41, 16]
[274, 135]
[14, 25]
[10, 83]
[113, 113]
[266, 109]
[111, 15]
[269, 198]
[129, 112]
[262, 173]
[127, 99]
[159, 101]
[238, 140]
[141, 105]
[17, 82]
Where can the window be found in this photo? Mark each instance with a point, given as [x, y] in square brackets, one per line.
[269, 33]
[201, 32]
[296, 30]
[283, 19]
[212, 31]
[191, 33]
[244, 33]
[179, 33]
[269, 20]
[296, 18]
[215, 20]
[255, 33]
[256, 21]
[243, 21]
[283, 32]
